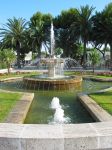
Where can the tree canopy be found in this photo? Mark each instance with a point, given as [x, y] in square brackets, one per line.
[74, 29]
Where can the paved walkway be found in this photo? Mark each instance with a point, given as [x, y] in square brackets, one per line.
[33, 69]
[22, 70]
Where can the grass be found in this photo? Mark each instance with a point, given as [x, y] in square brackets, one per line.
[7, 101]
[103, 77]
[79, 73]
[104, 100]
[17, 75]
[83, 73]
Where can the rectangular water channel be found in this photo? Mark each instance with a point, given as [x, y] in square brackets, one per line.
[41, 113]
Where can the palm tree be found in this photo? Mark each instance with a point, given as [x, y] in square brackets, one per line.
[13, 34]
[81, 28]
[36, 34]
[39, 25]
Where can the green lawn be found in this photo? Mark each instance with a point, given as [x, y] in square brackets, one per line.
[7, 101]
[81, 73]
[104, 77]
[88, 74]
[104, 100]
[18, 75]
[77, 73]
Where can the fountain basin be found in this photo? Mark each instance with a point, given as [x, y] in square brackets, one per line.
[63, 83]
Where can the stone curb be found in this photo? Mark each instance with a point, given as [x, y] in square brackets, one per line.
[20, 110]
[97, 112]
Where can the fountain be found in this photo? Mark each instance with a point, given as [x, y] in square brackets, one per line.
[59, 117]
[54, 78]
[55, 103]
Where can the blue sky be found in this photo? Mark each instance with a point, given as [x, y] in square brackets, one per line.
[26, 8]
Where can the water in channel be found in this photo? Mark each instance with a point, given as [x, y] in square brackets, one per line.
[40, 111]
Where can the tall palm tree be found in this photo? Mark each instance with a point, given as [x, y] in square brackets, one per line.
[36, 34]
[39, 25]
[81, 28]
[13, 33]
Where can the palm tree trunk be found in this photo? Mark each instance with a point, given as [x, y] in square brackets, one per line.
[45, 50]
[8, 68]
[18, 59]
[84, 55]
[18, 55]
[104, 51]
[33, 49]
[111, 57]
[93, 69]
[39, 51]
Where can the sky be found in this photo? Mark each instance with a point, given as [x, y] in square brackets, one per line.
[26, 8]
